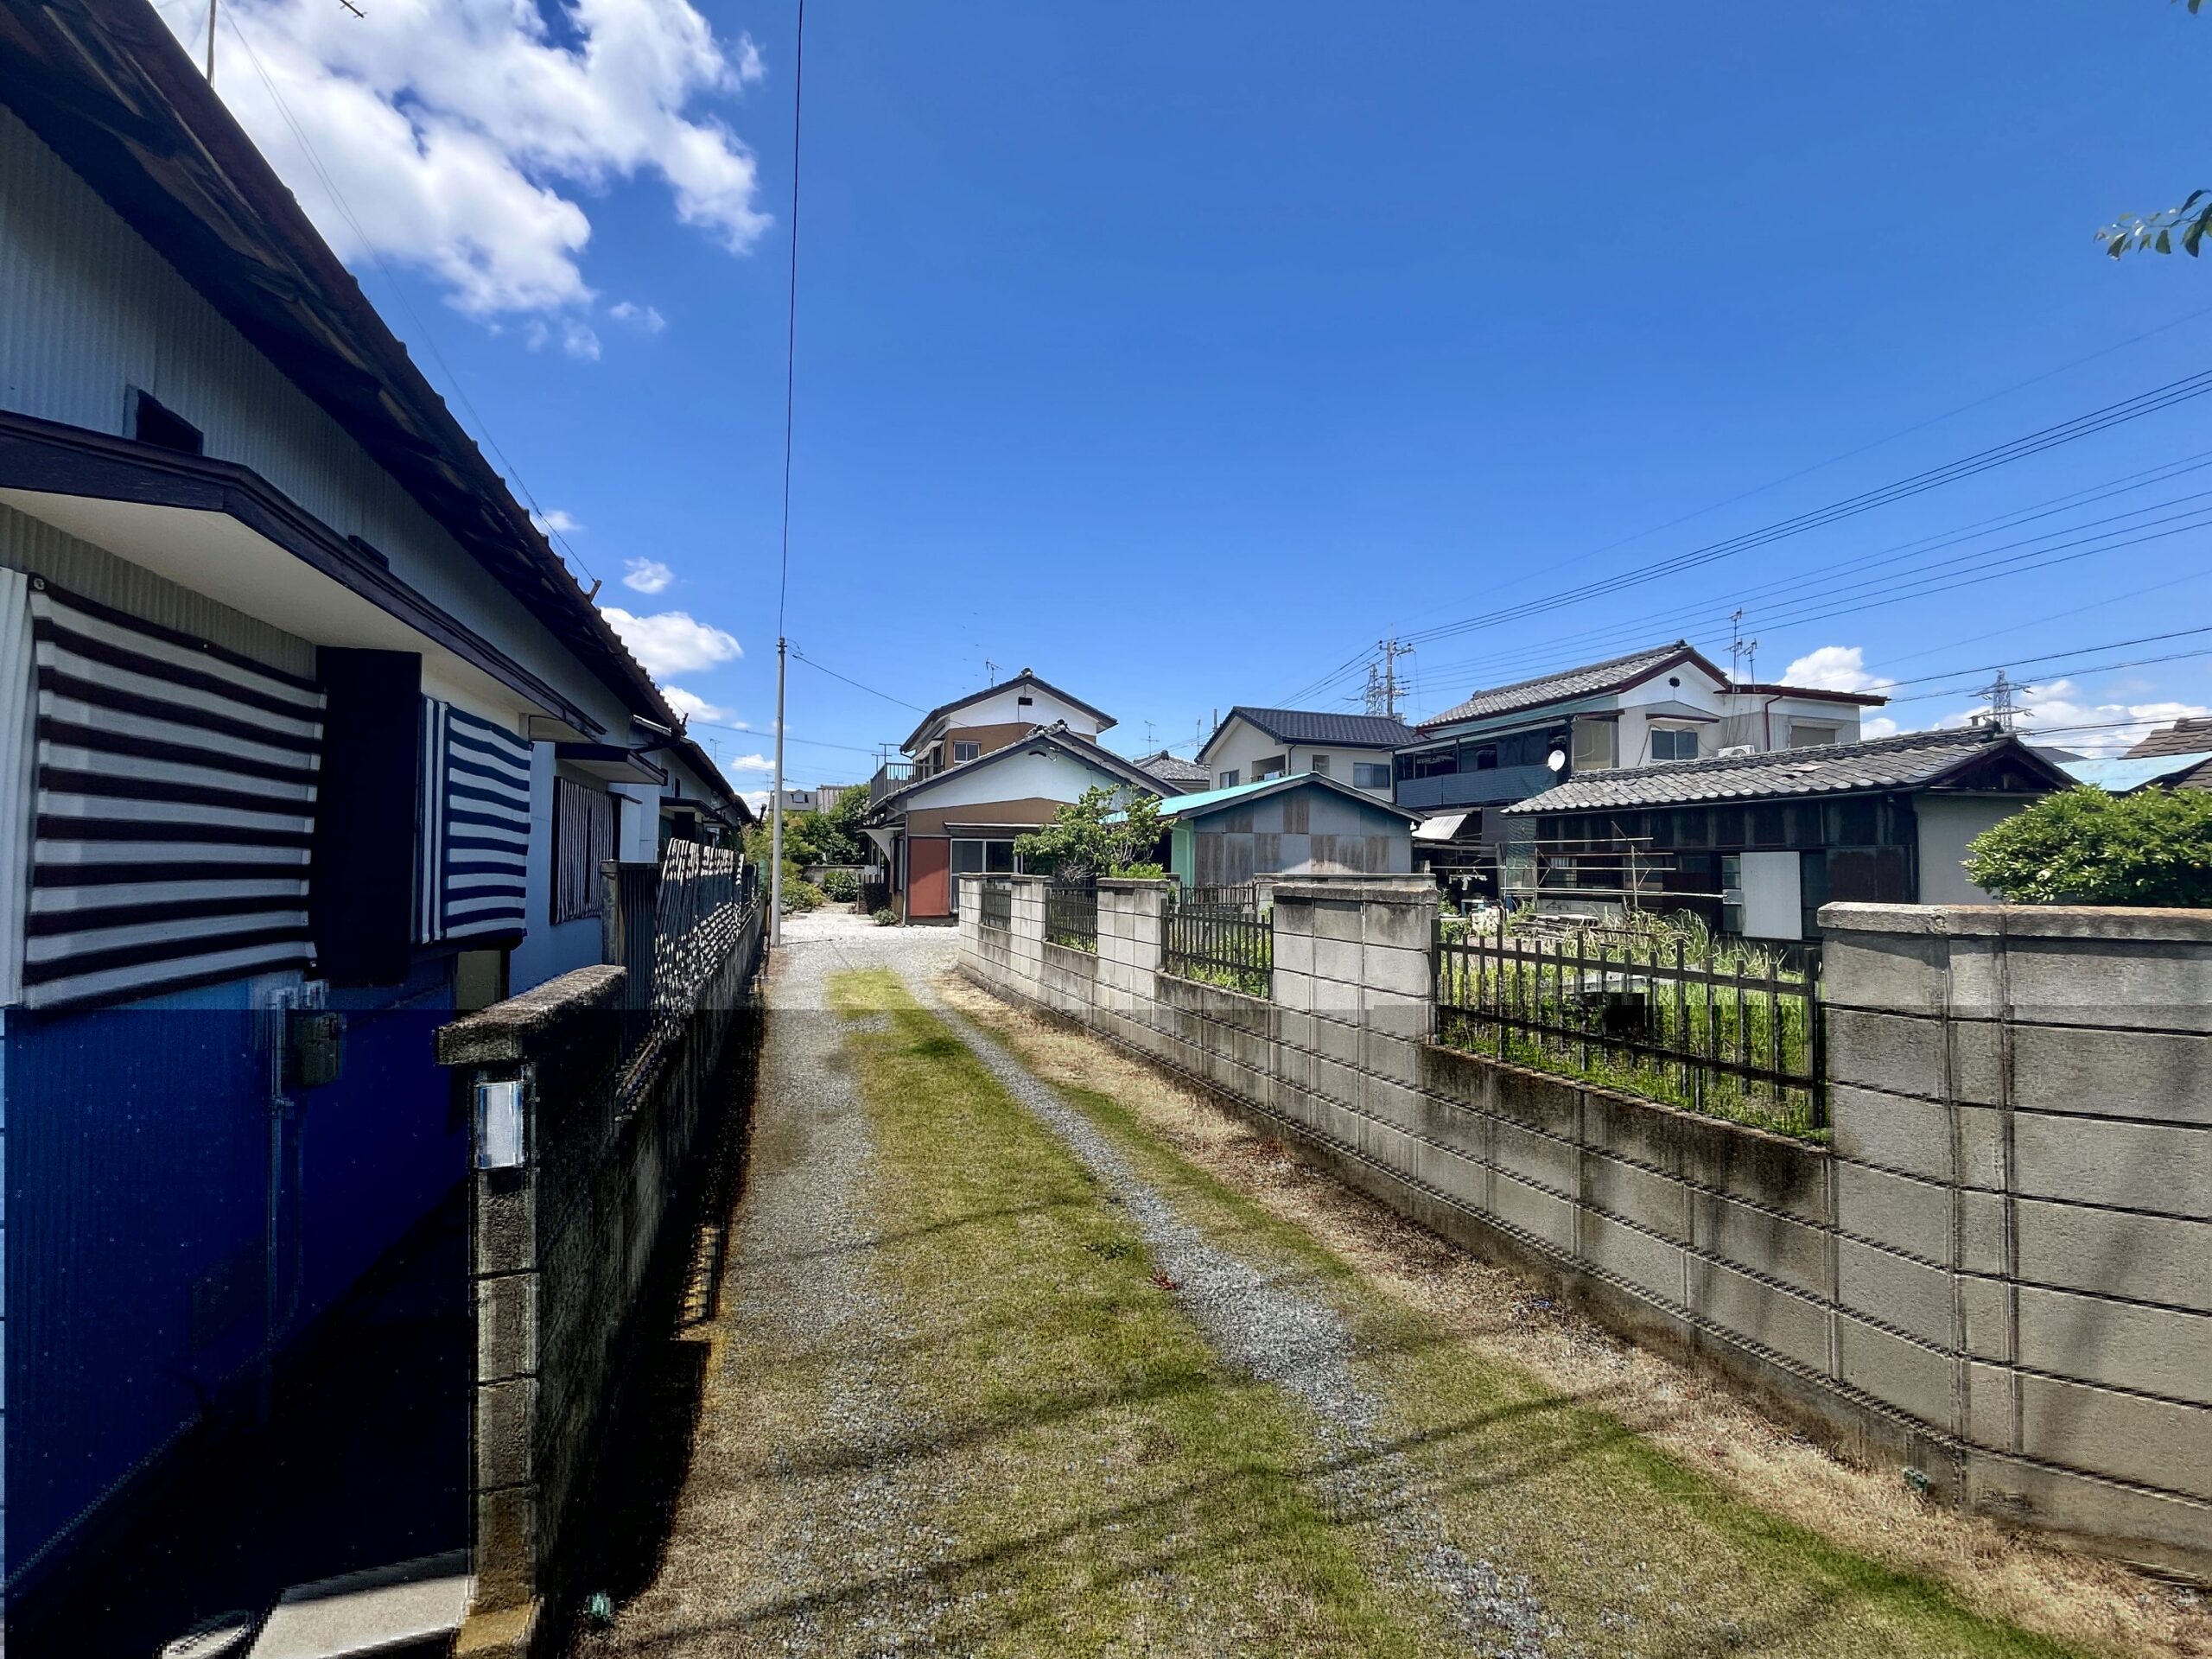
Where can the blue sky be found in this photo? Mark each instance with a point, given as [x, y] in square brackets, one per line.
[1182, 352]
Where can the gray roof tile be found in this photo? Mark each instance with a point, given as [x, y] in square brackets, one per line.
[1901, 762]
[1611, 675]
[1314, 726]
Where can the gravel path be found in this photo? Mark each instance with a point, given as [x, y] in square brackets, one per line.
[1301, 1346]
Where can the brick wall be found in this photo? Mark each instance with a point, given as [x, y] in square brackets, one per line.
[2000, 1275]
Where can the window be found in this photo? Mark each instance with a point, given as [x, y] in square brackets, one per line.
[1230, 779]
[1429, 763]
[1484, 758]
[1596, 745]
[152, 423]
[1674, 743]
[1369, 774]
[1810, 737]
[965, 749]
[1320, 765]
[583, 839]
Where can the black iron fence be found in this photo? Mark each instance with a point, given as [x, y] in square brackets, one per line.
[1219, 940]
[1071, 913]
[1715, 1025]
[996, 909]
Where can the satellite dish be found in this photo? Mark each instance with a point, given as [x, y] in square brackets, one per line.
[1556, 759]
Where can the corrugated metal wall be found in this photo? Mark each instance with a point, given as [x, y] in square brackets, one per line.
[112, 314]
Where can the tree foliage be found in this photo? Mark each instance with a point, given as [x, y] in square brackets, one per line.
[2085, 847]
[1103, 833]
[2159, 231]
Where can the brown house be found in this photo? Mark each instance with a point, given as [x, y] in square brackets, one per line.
[981, 769]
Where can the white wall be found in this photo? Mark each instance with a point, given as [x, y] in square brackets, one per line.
[1948, 822]
[1241, 743]
[1003, 708]
[1044, 773]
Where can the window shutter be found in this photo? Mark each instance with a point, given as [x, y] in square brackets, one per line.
[174, 808]
[475, 840]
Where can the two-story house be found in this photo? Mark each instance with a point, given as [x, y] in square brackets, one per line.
[1658, 706]
[979, 771]
[1254, 745]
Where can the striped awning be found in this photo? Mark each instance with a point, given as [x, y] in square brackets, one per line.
[174, 795]
[475, 847]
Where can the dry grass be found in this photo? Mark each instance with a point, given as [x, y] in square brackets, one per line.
[1702, 1424]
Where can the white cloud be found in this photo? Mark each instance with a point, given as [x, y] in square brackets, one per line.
[692, 706]
[671, 642]
[1877, 726]
[1835, 668]
[647, 576]
[460, 135]
[2047, 712]
[757, 800]
[559, 522]
[645, 317]
[748, 763]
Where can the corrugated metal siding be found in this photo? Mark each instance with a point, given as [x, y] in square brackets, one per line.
[112, 314]
[31, 544]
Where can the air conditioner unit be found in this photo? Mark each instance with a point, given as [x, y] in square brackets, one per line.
[1734, 749]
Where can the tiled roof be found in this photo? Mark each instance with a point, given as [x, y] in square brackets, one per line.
[1054, 736]
[1172, 769]
[1024, 678]
[1208, 800]
[2189, 736]
[1614, 674]
[2128, 773]
[1911, 760]
[1314, 726]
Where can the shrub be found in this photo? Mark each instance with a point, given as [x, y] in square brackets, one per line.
[887, 917]
[1142, 872]
[803, 895]
[2085, 847]
[843, 886]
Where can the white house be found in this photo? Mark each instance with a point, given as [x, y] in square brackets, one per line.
[1253, 745]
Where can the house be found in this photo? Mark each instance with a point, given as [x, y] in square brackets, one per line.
[1654, 706]
[981, 769]
[1253, 745]
[1757, 843]
[1303, 823]
[310, 741]
[1176, 775]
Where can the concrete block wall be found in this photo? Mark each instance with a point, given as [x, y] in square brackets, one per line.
[2005, 1282]
[2024, 1095]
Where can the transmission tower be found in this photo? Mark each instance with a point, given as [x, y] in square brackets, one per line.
[2004, 713]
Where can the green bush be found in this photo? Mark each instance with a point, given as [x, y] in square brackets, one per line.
[887, 917]
[843, 886]
[803, 895]
[2085, 847]
[1142, 872]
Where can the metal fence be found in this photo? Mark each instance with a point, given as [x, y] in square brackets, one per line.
[1220, 940]
[1724, 1028]
[996, 909]
[1071, 913]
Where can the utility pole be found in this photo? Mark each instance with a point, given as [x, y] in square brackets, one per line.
[211, 4]
[1736, 645]
[1383, 697]
[775, 816]
[784, 574]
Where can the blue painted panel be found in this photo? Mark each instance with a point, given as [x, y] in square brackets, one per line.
[137, 1177]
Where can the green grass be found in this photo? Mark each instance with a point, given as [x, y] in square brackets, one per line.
[1602, 1522]
[1116, 1489]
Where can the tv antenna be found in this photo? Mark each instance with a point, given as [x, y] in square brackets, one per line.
[990, 671]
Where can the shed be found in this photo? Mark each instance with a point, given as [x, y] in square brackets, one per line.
[1306, 824]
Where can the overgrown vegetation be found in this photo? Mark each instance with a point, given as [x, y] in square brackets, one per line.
[2084, 847]
[842, 887]
[1104, 832]
[1646, 1004]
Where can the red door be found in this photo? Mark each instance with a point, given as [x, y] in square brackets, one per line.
[929, 876]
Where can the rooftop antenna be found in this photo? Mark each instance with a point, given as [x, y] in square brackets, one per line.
[1147, 736]
[990, 671]
[1736, 646]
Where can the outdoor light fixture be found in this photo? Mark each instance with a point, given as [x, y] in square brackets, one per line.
[499, 1124]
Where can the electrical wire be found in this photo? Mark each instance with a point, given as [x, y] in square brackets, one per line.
[544, 519]
[799, 656]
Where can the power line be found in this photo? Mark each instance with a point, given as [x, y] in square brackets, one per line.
[422, 330]
[799, 656]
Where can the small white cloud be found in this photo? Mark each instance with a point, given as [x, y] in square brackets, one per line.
[2056, 713]
[1835, 668]
[672, 642]
[644, 317]
[578, 341]
[692, 706]
[647, 576]
[750, 66]
[535, 334]
[1877, 726]
[757, 800]
[559, 522]
[748, 763]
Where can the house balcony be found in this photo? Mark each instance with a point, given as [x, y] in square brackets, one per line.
[1497, 785]
[893, 775]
